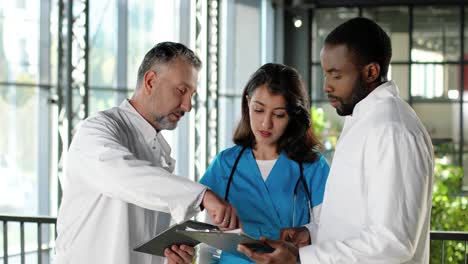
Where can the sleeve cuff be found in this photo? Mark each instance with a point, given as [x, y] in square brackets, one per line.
[306, 254]
[184, 209]
[199, 201]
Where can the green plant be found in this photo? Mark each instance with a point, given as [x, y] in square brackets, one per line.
[318, 121]
[449, 212]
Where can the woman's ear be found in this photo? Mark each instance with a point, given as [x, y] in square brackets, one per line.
[248, 100]
[371, 72]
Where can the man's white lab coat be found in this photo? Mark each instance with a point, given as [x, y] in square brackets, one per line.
[119, 190]
[377, 204]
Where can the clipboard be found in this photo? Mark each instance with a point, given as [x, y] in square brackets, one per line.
[228, 241]
[171, 236]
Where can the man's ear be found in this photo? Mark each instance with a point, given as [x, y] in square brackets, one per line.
[371, 72]
[149, 81]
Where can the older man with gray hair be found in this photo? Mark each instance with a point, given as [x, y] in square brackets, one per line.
[119, 189]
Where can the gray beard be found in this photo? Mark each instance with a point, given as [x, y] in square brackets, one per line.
[164, 123]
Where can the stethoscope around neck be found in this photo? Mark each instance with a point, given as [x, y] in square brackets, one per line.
[301, 179]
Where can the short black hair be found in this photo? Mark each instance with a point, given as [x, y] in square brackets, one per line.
[366, 40]
[165, 52]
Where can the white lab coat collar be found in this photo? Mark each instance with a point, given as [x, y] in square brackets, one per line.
[149, 133]
[387, 89]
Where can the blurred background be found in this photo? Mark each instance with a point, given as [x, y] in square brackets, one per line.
[63, 60]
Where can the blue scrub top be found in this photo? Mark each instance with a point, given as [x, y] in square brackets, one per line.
[265, 207]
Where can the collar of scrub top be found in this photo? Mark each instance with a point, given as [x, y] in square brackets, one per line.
[301, 179]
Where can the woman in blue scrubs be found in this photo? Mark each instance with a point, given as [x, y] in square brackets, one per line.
[274, 175]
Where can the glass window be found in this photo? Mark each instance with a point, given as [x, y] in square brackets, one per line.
[102, 43]
[442, 122]
[230, 112]
[19, 40]
[18, 149]
[399, 74]
[436, 31]
[465, 85]
[54, 39]
[247, 42]
[465, 55]
[240, 57]
[25, 188]
[149, 22]
[24, 160]
[239, 44]
[395, 21]
[324, 21]
[316, 92]
[101, 99]
[144, 31]
[432, 81]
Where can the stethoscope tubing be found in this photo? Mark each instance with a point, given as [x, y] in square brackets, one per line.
[301, 179]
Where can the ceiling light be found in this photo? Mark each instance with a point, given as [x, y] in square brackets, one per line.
[297, 22]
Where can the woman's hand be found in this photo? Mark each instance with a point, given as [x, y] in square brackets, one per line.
[182, 254]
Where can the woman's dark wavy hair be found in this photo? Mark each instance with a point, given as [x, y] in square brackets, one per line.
[298, 139]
